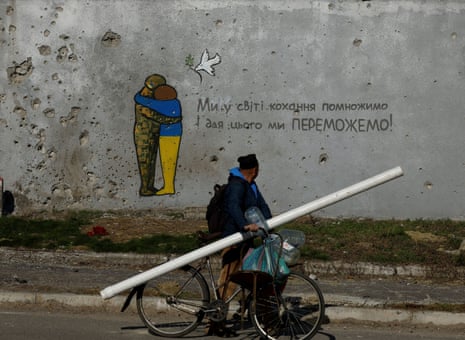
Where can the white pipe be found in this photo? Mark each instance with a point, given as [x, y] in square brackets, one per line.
[219, 245]
[335, 197]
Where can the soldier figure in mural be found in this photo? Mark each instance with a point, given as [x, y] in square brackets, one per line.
[157, 127]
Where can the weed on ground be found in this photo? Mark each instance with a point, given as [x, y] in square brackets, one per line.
[349, 240]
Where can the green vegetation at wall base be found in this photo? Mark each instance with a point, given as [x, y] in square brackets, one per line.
[421, 242]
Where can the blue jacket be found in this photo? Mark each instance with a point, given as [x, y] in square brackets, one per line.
[239, 196]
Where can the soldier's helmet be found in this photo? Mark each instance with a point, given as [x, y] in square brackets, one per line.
[154, 81]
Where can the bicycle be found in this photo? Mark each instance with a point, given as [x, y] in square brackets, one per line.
[290, 310]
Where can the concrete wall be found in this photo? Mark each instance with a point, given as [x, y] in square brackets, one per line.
[326, 93]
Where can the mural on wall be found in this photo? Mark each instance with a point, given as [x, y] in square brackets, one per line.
[205, 65]
[158, 127]
[157, 130]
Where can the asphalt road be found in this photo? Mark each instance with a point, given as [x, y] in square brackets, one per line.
[21, 324]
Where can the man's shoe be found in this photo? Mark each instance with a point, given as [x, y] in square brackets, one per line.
[219, 329]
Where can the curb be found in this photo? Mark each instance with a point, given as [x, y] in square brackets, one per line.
[370, 269]
[314, 267]
[395, 315]
[334, 313]
[64, 300]
[340, 307]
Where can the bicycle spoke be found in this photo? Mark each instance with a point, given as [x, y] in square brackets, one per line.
[182, 295]
[296, 312]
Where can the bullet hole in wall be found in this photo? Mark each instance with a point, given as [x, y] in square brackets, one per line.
[323, 158]
[49, 112]
[45, 50]
[20, 111]
[40, 147]
[84, 138]
[91, 178]
[62, 54]
[62, 190]
[19, 72]
[111, 39]
[35, 103]
[71, 118]
[428, 185]
[52, 153]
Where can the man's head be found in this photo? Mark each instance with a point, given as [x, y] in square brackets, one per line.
[165, 92]
[248, 166]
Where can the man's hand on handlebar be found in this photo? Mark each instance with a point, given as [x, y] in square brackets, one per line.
[252, 227]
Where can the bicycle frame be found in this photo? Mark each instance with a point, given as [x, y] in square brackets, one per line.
[205, 263]
[275, 307]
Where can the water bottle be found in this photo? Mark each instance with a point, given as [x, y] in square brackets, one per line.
[294, 237]
[253, 215]
[290, 253]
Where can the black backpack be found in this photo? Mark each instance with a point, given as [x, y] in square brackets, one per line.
[216, 216]
[8, 202]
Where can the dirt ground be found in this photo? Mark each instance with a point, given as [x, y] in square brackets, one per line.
[125, 228]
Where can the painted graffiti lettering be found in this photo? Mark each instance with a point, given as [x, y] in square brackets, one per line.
[356, 125]
[213, 124]
[204, 105]
[250, 106]
[245, 125]
[354, 107]
[276, 126]
[296, 107]
[208, 105]
[297, 123]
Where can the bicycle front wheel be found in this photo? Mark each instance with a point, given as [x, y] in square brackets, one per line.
[294, 311]
[172, 305]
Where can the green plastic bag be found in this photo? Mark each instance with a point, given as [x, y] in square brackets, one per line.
[265, 258]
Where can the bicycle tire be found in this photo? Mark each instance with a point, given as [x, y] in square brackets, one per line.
[180, 295]
[292, 311]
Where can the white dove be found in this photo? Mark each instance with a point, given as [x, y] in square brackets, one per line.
[206, 64]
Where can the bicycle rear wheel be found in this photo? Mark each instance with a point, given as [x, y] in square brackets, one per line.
[294, 311]
[179, 296]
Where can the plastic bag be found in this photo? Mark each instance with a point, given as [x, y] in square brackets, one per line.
[294, 237]
[290, 253]
[291, 241]
[265, 258]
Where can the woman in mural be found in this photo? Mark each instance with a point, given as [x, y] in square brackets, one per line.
[158, 127]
